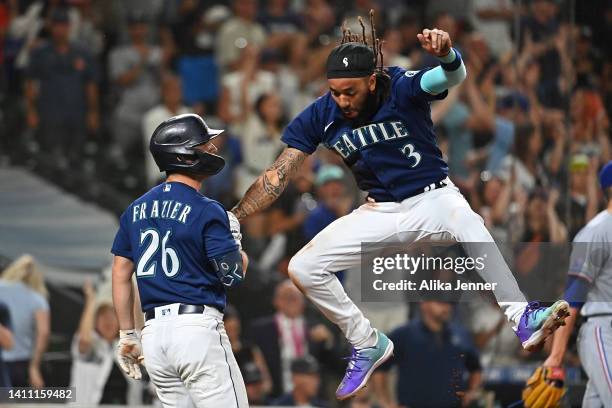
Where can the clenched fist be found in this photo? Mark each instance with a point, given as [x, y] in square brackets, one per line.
[436, 42]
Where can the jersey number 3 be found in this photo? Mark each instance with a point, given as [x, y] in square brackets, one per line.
[170, 262]
[410, 153]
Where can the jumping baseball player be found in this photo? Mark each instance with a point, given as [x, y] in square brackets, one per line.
[378, 120]
[589, 290]
[185, 257]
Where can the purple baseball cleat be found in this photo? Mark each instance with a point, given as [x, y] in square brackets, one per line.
[362, 364]
[537, 323]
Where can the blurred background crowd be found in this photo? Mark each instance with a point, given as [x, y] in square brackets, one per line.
[83, 83]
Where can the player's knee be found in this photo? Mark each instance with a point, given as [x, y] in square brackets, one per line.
[467, 226]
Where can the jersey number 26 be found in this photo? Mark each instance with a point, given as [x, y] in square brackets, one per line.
[170, 262]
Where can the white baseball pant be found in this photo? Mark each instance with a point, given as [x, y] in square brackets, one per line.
[190, 361]
[440, 214]
[595, 351]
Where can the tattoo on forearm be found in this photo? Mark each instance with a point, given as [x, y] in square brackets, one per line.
[270, 185]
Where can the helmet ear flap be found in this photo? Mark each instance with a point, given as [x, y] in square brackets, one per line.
[208, 164]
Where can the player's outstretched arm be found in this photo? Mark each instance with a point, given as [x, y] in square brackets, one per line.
[270, 184]
[451, 71]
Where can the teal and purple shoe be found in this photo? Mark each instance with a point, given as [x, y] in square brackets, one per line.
[362, 364]
[537, 323]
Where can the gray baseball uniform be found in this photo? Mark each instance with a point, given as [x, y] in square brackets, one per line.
[591, 260]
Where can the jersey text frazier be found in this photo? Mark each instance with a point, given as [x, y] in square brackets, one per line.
[166, 209]
[369, 135]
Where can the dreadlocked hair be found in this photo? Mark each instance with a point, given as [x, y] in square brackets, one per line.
[383, 81]
[375, 45]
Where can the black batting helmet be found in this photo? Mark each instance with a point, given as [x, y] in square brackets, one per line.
[173, 146]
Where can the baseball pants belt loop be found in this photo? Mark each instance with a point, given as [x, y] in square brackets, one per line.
[188, 309]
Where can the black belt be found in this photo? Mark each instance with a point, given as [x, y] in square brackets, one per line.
[429, 187]
[183, 309]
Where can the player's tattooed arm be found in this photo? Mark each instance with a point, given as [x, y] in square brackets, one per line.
[270, 184]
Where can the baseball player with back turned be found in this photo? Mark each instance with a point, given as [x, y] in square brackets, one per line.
[185, 256]
[589, 290]
[378, 120]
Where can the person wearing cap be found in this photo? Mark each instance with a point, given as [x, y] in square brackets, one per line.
[333, 200]
[589, 291]
[306, 380]
[60, 71]
[253, 381]
[378, 120]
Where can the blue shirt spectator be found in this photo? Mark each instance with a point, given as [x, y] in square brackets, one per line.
[434, 357]
[23, 290]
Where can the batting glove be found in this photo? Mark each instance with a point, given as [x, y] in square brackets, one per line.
[129, 353]
[235, 228]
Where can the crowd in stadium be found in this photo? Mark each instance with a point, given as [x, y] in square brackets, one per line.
[83, 84]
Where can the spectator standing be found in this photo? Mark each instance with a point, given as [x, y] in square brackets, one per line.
[493, 19]
[135, 69]
[306, 380]
[31, 26]
[241, 89]
[526, 162]
[171, 105]
[537, 270]
[538, 31]
[583, 202]
[409, 26]
[195, 37]
[393, 49]
[590, 125]
[238, 32]
[296, 336]
[284, 30]
[95, 372]
[260, 139]
[62, 94]
[6, 343]
[23, 289]
[494, 338]
[432, 355]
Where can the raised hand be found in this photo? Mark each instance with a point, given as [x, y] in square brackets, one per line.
[436, 42]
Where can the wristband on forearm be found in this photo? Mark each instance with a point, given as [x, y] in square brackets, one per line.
[451, 61]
